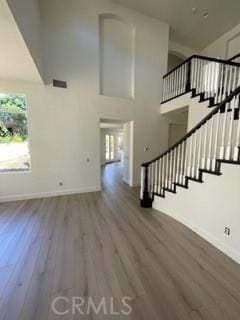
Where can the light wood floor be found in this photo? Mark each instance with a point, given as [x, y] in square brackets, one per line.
[104, 245]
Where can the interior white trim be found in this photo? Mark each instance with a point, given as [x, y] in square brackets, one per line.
[230, 252]
[48, 194]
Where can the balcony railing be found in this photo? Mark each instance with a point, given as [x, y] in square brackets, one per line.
[213, 140]
[236, 58]
[208, 77]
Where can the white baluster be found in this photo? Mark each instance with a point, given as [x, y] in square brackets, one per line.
[164, 90]
[193, 74]
[194, 155]
[156, 177]
[226, 77]
[230, 131]
[221, 82]
[203, 77]
[184, 161]
[230, 80]
[170, 86]
[177, 84]
[164, 172]
[180, 79]
[213, 77]
[190, 156]
[183, 85]
[198, 75]
[178, 164]
[185, 76]
[167, 171]
[150, 178]
[224, 128]
[218, 118]
[209, 157]
[174, 84]
[174, 167]
[171, 91]
[204, 146]
[199, 149]
[233, 107]
[237, 143]
[143, 169]
[159, 176]
[207, 80]
[170, 169]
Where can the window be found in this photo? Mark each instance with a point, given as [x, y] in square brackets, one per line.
[109, 142]
[111, 147]
[107, 154]
[14, 146]
[120, 144]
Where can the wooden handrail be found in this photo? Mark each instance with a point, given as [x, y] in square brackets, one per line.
[195, 128]
[226, 62]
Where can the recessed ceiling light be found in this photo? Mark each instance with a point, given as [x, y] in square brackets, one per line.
[205, 15]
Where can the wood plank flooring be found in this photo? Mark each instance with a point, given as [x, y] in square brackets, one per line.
[104, 245]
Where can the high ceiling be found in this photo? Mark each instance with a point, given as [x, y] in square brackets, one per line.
[15, 60]
[187, 25]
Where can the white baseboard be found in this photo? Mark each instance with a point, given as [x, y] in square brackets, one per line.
[230, 252]
[48, 194]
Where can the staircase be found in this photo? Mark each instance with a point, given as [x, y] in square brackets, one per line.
[213, 141]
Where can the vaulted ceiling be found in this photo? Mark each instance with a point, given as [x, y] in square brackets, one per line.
[195, 23]
[16, 62]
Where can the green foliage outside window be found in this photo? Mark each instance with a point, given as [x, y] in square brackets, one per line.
[13, 118]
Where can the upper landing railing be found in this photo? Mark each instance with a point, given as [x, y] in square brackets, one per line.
[208, 77]
[236, 58]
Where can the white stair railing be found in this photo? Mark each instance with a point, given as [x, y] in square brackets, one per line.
[208, 77]
[214, 140]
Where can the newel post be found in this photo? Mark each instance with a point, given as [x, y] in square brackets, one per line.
[145, 197]
[188, 83]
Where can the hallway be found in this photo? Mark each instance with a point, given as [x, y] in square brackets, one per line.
[104, 245]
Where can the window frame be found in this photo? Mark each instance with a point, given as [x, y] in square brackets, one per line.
[21, 171]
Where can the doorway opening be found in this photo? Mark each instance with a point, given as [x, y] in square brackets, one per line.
[116, 146]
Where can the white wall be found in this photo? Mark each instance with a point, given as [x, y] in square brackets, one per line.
[219, 47]
[64, 124]
[117, 67]
[61, 141]
[173, 61]
[208, 208]
[28, 19]
[196, 111]
[184, 51]
[16, 62]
